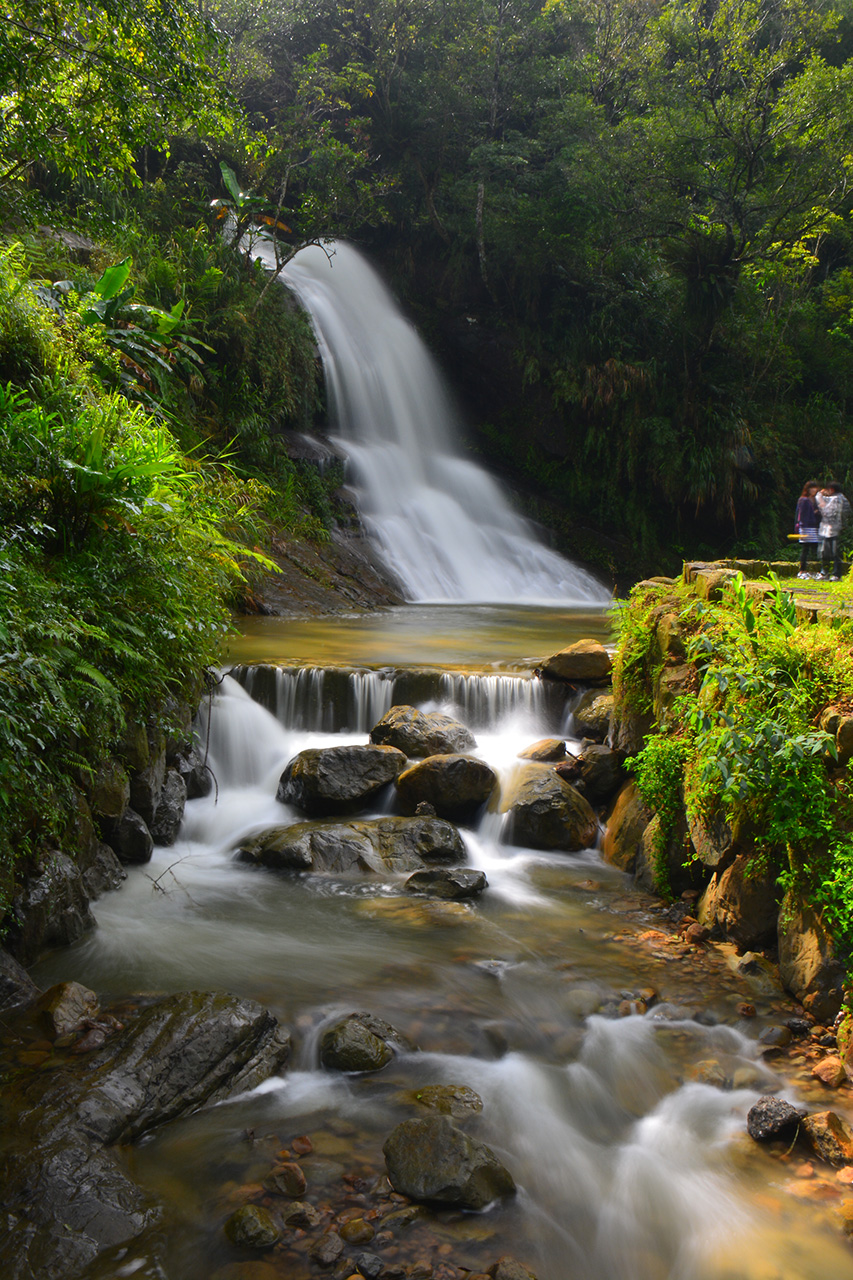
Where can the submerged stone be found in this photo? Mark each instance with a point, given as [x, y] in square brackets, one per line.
[433, 1160]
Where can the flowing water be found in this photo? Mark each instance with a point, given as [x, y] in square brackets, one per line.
[440, 522]
[614, 1070]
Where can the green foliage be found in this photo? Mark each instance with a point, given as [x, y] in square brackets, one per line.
[748, 744]
[118, 557]
[83, 86]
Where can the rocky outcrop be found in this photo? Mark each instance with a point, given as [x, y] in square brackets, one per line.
[67, 1198]
[545, 812]
[377, 845]
[419, 734]
[323, 782]
[456, 785]
[432, 1160]
[17, 989]
[597, 772]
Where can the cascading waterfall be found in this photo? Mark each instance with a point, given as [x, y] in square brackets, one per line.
[440, 522]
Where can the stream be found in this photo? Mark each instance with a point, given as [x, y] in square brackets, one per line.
[614, 1067]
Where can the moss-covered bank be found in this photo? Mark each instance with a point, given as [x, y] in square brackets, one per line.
[734, 706]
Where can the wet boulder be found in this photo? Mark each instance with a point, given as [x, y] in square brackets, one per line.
[17, 989]
[597, 772]
[772, 1120]
[197, 777]
[360, 1042]
[375, 845]
[432, 1160]
[586, 662]
[51, 909]
[443, 882]
[592, 715]
[548, 813]
[623, 832]
[334, 780]
[808, 962]
[743, 903]
[65, 1007]
[456, 785]
[252, 1227]
[170, 1057]
[455, 1100]
[545, 751]
[131, 840]
[422, 733]
[170, 809]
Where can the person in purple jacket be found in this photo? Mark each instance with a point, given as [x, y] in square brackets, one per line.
[806, 525]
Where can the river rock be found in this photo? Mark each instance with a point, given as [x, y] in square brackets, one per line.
[829, 1136]
[51, 909]
[772, 1119]
[17, 989]
[441, 882]
[376, 845]
[601, 772]
[623, 832]
[548, 813]
[455, 1100]
[331, 780]
[360, 1042]
[170, 809]
[252, 1227]
[196, 775]
[508, 1268]
[457, 785]
[592, 715]
[131, 839]
[64, 1007]
[176, 1054]
[586, 662]
[808, 964]
[431, 1159]
[422, 733]
[545, 751]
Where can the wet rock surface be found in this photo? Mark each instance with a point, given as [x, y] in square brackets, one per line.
[456, 785]
[326, 781]
[419, 734]
[546, 812]
[66, 1195]
[360, 1042]
[443, 883]
[433, 1160]
[374, 846]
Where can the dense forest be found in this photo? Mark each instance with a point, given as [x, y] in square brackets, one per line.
[622, 225]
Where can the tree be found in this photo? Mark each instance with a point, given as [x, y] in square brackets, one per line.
[84, 87]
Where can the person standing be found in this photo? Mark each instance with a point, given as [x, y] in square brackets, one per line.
[806, 525]
[834, 512]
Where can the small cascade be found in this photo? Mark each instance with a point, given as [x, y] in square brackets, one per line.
[352, 700]
[440, 522]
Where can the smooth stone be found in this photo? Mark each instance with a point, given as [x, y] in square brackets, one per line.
[433, 1160]
[325, 781]
[360, 1042]
[457, 785]
[422, 733]
[439, 882]
[252, 1227]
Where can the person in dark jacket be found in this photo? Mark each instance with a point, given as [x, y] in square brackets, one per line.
[806, 524]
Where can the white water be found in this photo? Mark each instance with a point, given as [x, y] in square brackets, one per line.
[441, 524]
[622, 1162]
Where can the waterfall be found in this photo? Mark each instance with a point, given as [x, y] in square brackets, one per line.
[440, 523]
[342, 699]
